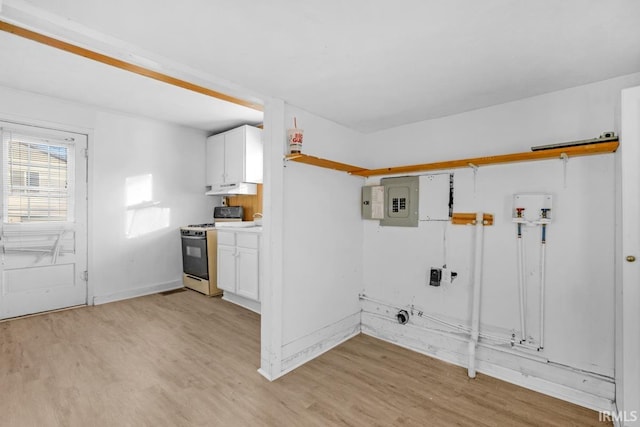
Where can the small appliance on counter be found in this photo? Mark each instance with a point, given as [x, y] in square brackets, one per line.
[200, 250]
[228, 213]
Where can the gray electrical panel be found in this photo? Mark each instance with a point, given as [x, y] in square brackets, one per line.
[401, 201]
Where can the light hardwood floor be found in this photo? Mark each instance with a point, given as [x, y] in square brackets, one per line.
[184, 359]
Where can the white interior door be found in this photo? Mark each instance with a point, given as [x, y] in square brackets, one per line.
[628, 366]
[43, 230]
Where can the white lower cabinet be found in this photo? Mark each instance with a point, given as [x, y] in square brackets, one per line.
[227, 268]
[238, 265]
[247, 265]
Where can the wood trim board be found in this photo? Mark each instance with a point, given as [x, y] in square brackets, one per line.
[568, 152]
[324, 163]
[123, 65]
[582, 150]
[459, 218]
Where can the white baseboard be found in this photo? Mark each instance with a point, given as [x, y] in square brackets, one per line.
[137, 292]
[302, 350]
[265, 374]
[586, 390]
[579, 397]
[247, 303]
[617, 422]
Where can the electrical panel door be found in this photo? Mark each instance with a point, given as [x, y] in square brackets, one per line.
[400, 201]
[373, 202]
[436, 197]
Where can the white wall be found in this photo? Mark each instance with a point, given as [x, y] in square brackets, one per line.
[580, 275]
[123, 146]
[322, 243]
[567, 115]
[580, 264]
[127, 147]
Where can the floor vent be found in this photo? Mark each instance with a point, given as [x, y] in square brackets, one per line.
[174, 291]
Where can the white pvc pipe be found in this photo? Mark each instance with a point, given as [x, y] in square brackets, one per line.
[543, 263]
[477, 283]
[454, 335]
[413, 307]
[513, 351]
[521, 288]
[462, 328]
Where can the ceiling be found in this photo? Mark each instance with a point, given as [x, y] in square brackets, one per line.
[367, 64]
[45, 70]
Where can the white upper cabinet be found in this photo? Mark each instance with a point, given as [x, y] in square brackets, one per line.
[235, 156]
[215, 159]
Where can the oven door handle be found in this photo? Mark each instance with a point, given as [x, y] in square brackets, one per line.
[194, 237]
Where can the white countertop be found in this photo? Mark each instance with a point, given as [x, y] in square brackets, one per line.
[240, 229]
[235, 224]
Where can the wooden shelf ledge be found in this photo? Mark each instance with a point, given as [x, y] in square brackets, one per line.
[324, 163]
[555, 153]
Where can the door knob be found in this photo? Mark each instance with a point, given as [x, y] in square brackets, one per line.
[631, 258]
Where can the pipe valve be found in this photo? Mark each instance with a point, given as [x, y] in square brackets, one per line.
[545, 212]
[519, 212]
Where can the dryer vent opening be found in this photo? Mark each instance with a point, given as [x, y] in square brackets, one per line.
[403, 317]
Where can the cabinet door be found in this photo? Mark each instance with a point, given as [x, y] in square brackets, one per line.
[248, 278]
[234, 155]
[227, 268]
[215, 160]
[253, 155]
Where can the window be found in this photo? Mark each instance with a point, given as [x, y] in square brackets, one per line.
[36, 179]
[32, 178]
[24, 179]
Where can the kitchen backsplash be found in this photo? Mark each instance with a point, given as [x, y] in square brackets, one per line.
[251, 203]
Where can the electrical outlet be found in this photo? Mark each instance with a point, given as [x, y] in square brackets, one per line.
[441, 276]
[435, 277]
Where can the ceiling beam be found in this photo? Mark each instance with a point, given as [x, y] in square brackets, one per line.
[123, 65]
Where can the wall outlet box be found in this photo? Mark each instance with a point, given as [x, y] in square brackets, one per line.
[441, 276]
[435, 277]
[531, 206]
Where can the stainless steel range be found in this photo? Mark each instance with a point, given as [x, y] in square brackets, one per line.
[194, 250]
[199, 251]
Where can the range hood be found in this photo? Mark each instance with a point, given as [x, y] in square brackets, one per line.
[233, 188]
